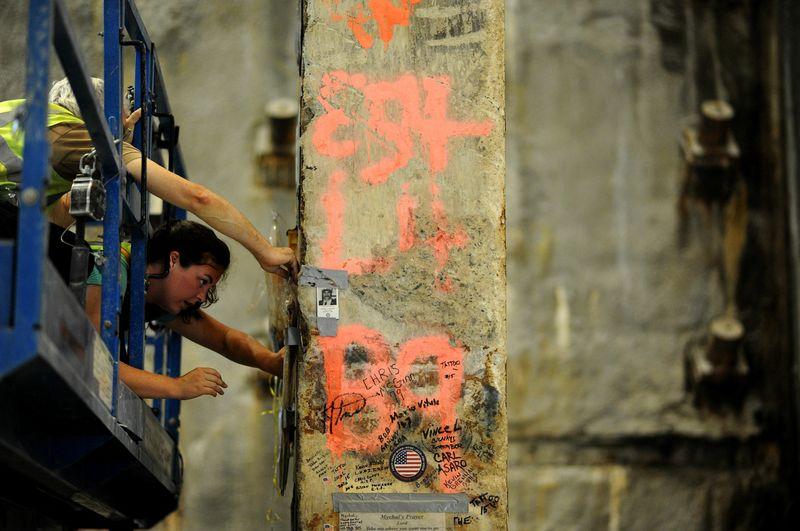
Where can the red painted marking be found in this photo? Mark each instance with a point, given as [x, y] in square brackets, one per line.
[356, 22]
[427, 121]
[386, 14]
[334, 206]
[449, 390]
[394, 137]
[442, 243]
[436, 129]
[449, 362]
[399, 114]
[326, 126]
[342, 438]
[405, 219]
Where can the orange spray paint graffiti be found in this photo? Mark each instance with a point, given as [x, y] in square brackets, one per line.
[429, 122]
[400, 115]
[447, 355]
[389, 389]
[334, 206]
[405, 219]
[386, 14]
[346, 396]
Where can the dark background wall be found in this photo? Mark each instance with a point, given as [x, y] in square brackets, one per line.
[605, 296]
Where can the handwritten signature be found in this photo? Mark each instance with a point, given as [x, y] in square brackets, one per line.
[342, 407]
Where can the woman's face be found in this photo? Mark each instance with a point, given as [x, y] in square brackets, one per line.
[183, 287]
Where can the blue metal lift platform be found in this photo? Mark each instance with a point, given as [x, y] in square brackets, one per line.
[61, 450]
[78, 447]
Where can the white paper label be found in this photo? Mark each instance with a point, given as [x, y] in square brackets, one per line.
[328, 302]
[103, 370]
[391, 521]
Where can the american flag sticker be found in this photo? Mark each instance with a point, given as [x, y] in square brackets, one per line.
[407, 463]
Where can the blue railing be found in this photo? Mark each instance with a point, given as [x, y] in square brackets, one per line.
[69, 429]
[151, 96]
[126, 201]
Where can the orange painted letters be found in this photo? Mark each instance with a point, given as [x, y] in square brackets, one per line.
[388, 389]
[396, 117]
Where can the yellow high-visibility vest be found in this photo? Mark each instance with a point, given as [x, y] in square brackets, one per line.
[12, 139]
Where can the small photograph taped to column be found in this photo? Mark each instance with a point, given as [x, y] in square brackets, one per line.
[328, 303]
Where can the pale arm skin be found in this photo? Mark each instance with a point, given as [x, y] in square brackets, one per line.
[217, 212]
[212, 208]
[234, 344]
[197, 382]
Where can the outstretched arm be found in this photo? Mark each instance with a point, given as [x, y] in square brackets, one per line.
[197, 382]
[217, 212]
[231, 343]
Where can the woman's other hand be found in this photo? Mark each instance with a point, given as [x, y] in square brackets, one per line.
[198, 382]
[131, 119]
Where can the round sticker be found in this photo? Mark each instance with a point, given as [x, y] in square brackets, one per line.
[407, 463]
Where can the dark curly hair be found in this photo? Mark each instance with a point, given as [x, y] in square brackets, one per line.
[197, 245]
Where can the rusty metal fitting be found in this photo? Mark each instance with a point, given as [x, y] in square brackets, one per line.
[282, 122]
[275, 141]
[714, 132]
[711, 153]
[716, 370]
[725, 340]
[292, 236]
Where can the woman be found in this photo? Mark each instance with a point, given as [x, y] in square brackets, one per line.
[186, 261]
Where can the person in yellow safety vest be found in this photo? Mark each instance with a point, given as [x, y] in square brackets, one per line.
[11, 142]
[70, 140]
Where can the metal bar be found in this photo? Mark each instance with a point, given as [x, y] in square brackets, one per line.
[147, 125]
[158, 367]
[135, 193]
[79, 263]
[134, 25]
[137, 299]
[173, 407]
[30, 252]
[6, 285]
[790, 58]
[139, 238]
[91, 113]
[163, 106]
[112, 60]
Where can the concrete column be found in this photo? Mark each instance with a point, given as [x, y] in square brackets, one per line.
[402, 186]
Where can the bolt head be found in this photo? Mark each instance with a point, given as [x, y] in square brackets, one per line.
[29, 196]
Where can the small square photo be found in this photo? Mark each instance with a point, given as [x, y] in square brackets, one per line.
[328, 303]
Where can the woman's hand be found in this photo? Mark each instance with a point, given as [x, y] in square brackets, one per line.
[198, 382]
[272, 362]
[279, 261]
[131, 119]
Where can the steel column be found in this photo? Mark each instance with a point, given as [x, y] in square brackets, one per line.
[141, 140]
[35, 175]
[173, 408]
[112, 60]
